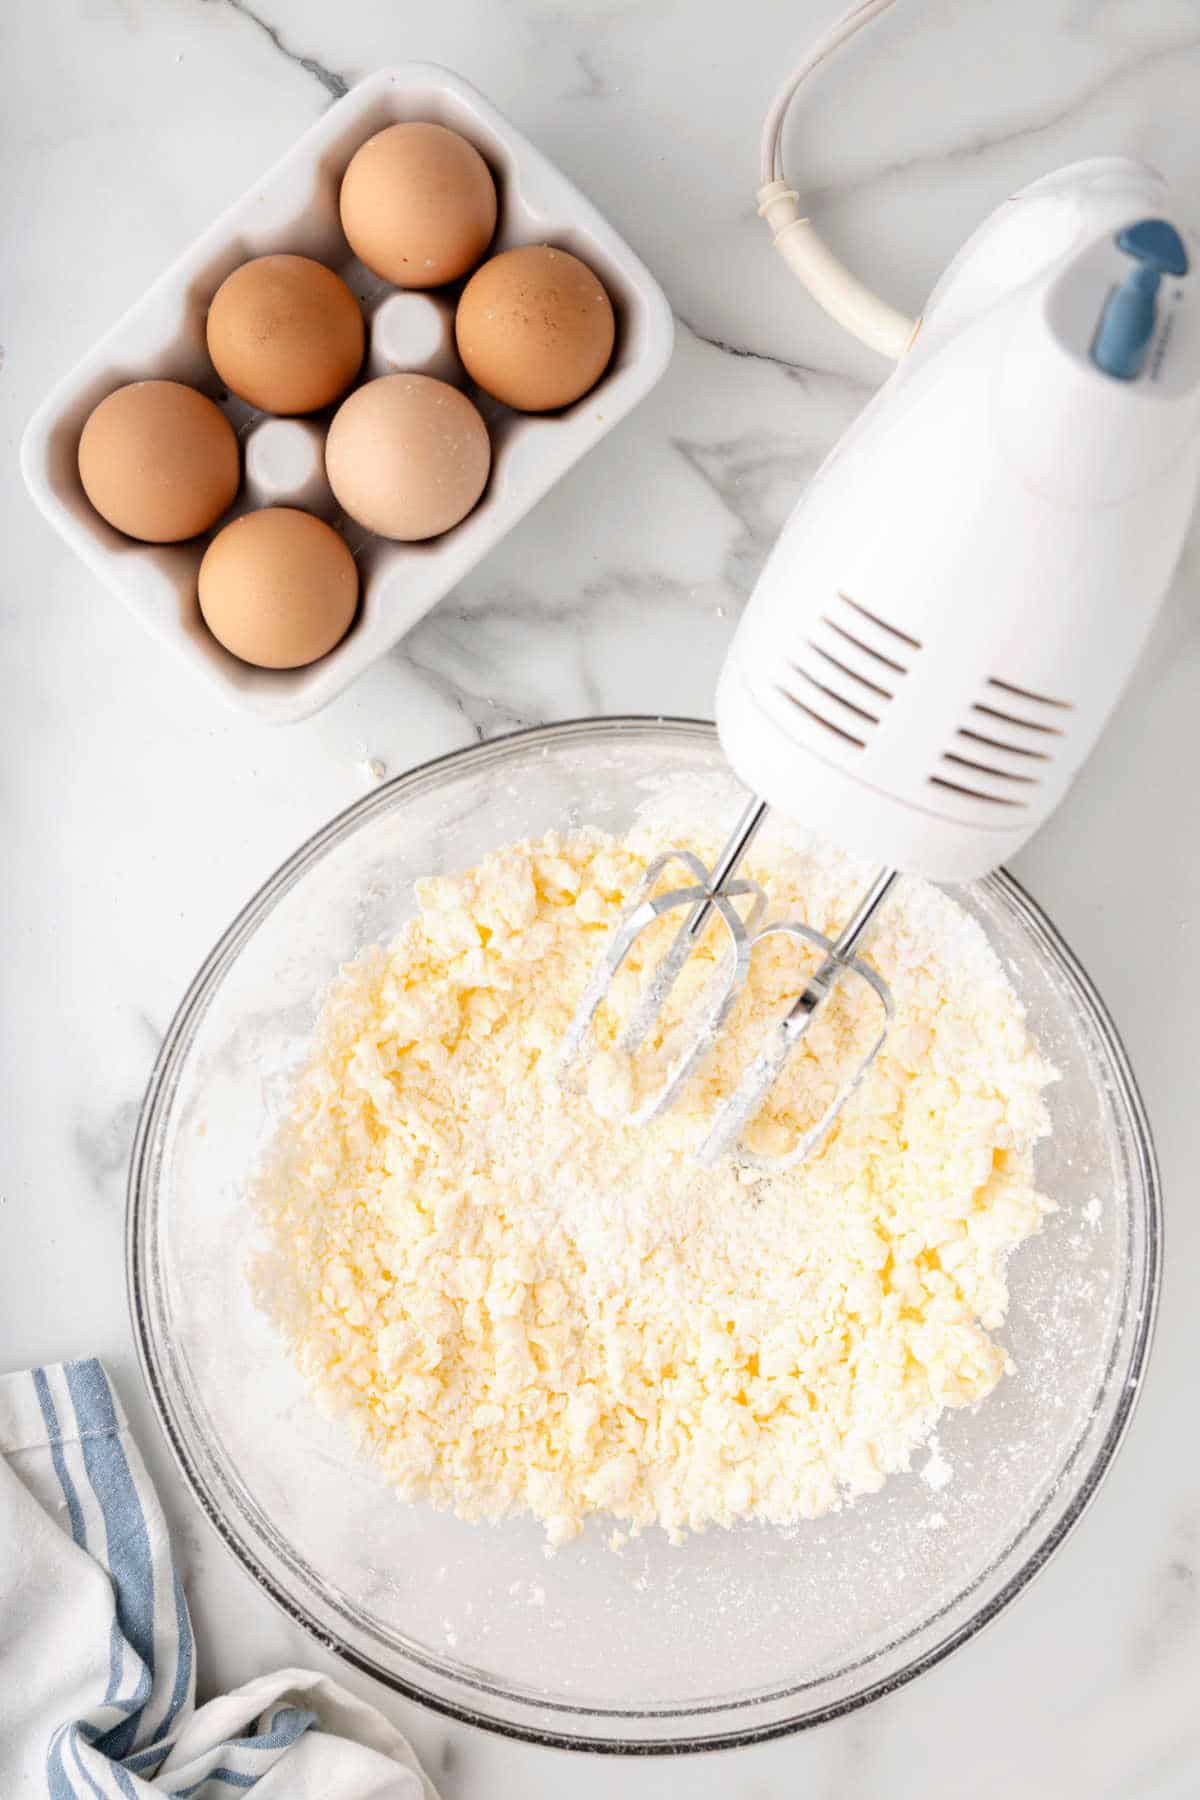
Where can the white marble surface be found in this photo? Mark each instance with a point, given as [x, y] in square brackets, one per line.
[137, 816]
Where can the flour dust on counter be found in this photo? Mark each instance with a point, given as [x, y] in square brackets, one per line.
[521, 1302]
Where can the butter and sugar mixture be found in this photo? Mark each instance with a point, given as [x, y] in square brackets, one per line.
[519, 1303]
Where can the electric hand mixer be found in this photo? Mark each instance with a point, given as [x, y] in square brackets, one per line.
[951, 612]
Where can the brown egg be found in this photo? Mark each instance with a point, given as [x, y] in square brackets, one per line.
[278, 588]
[159, 461]
[286, 334]
[407, 456]
[418, 205]
[535, 328]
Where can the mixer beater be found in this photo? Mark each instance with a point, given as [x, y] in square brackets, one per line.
[717, 892]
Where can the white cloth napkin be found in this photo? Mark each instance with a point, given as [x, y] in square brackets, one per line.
[97, 1660]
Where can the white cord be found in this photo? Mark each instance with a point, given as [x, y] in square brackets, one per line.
[827, 279]
[850, 23]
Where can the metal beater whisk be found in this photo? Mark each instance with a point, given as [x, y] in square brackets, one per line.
[720, 892]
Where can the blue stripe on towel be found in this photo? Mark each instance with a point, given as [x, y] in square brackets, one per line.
[183, 1657]
[116, 1656]
[58, 1782]
[230, 1776]
[123, 1782]
[145, 1762]
[54, 1431]
[288, 1724]
[128, 1539]
[79, 1764]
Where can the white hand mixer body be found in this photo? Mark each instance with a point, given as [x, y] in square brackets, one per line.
[956, 603]
[953, 608]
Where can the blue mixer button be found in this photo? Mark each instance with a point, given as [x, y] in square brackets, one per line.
[1156, 244]
[1127, 323]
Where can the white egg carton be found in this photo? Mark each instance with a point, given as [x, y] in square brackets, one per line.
[295, 208]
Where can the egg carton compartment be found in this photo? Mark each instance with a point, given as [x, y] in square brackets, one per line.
[284, 465]
[414, 332]
[294, 207]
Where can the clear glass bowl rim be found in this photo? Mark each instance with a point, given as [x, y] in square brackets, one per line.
[139, 1205]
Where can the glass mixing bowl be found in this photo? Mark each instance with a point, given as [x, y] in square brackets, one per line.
[740, 1634]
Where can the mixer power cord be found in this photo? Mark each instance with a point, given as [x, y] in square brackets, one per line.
[831, 284]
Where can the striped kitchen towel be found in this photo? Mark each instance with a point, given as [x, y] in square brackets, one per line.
[97, 1660]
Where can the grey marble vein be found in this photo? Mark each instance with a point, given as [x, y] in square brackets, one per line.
[335, 85]
[792, 370]
[803, 374]
[103, 1147]
[464, 659]
[748, 475]
[484, 716]
[1170, 1613]
[1003, 137]
[441, 644]
[591, 84]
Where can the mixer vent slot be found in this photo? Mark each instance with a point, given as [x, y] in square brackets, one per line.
[820, 719]
[850, 668]
[1014, 712]
[1007, 718]
[1020, 693]
[1012, 729]
[858, 643]
[843, 668]
[831, 693]
[982, 768]
[956, 787]
[865, 645]
[995, 743]
[903, 637]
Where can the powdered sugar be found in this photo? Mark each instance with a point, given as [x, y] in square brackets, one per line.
[937, 1472]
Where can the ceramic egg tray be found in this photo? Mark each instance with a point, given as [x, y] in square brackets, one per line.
[295, 208]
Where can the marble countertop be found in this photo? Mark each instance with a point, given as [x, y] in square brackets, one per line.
[138, 815]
